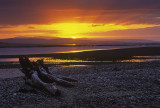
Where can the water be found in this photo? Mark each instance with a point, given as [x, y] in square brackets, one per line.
[51, 60]
[46, 50]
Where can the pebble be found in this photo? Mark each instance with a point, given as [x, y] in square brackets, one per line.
[98, 86]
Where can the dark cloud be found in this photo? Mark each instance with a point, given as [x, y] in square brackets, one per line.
[82, 4]
[136, 16]
[14, 12]
[96, 25]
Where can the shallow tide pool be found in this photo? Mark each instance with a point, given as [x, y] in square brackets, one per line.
[51, 60]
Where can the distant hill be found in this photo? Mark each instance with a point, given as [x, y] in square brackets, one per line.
[41, 41]
[46, 41]
[128, 41]
[2, 44]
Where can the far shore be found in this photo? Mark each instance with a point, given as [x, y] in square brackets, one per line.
[68, 45]
[99, 55]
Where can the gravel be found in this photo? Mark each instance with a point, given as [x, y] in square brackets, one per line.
[112, 85]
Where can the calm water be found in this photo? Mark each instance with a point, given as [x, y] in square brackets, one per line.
[51, 60]
[46, 50]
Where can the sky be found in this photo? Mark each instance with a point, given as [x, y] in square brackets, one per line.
[93, 19]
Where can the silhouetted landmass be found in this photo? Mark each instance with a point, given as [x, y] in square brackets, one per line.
[41, 42]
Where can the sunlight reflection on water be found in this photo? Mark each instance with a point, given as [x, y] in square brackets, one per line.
[51, 60]
[71, 65]
[48, 50]
[86, 50]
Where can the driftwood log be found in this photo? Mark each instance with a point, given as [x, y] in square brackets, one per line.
[38, 75]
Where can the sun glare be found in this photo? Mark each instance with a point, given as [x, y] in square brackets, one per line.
[74, 37]
[71, 30]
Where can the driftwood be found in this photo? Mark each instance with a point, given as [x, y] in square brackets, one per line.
[38, 75]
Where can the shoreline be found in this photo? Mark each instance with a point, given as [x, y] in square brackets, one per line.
[69, 45]
[99, 85]
[93, 56]
[140, 51]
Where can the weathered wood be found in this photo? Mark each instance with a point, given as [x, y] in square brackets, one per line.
[37, 82]
[49, 77]
[38, 75]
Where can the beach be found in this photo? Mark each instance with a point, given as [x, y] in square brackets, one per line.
[100, 84]
[110, 85]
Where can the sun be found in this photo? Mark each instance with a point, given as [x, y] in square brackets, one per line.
[74, 37]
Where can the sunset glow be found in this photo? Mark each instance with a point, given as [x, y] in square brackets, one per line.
[80, 20]
[74, 37]
[79, 53]
[70, 30]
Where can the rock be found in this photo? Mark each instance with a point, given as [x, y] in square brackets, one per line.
[157, 81]
[14, 94]
[132, 98]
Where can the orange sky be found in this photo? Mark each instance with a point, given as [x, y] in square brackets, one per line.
[95, 19]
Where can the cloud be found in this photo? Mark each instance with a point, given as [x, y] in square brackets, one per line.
[30, 31]
[16, 12]
[150, 32]
[4, 33]
[96, 25]
[5, 26]
[82, 4]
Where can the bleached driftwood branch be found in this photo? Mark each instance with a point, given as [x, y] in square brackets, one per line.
[38, 75]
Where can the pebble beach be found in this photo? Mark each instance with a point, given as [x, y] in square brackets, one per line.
[112, 85]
